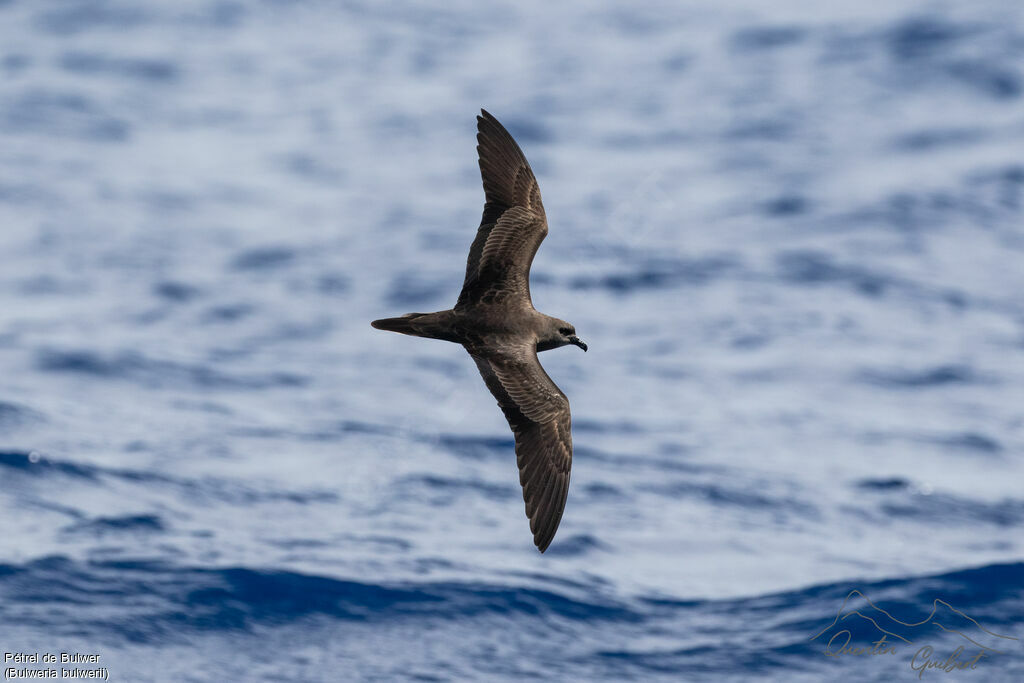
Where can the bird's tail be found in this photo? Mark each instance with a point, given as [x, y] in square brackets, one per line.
[405, 324]
[431, 325]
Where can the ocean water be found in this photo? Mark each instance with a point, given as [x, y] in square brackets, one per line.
[791, 234]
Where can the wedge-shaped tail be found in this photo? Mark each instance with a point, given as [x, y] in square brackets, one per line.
[431, 325]
[404, 325]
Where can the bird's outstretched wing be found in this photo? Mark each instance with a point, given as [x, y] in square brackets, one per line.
[538, 413]
[513, 224]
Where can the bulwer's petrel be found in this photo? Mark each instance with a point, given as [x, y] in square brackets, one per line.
[495, 320]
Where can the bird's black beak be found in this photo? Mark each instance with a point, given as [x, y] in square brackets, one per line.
[578, 342]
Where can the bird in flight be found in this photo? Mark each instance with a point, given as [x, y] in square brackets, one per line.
[494, 319]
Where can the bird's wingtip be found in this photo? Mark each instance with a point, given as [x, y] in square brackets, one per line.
[486, 117]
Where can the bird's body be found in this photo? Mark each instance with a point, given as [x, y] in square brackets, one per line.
[494, 319]
[482, 327]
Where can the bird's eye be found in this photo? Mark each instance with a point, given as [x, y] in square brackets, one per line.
[566, 331]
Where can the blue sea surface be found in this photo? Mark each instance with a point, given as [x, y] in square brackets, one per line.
[792, 235]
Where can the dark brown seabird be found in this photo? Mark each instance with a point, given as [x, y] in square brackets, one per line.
[494, 319]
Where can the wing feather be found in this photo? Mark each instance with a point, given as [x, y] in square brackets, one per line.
[513, 223]
[538, 413]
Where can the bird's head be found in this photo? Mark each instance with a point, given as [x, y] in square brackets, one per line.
[559, 333]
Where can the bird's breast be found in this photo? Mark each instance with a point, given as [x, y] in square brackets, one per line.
[492, 323]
